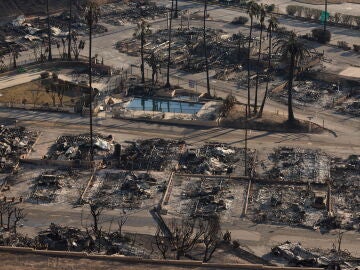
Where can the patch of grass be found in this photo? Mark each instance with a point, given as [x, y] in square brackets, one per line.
[268, 121]
[32, 91]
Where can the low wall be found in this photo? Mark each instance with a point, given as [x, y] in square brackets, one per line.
[59, 163]
[201, 123]
[139, 260]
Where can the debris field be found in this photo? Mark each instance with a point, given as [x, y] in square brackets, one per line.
[14, 143]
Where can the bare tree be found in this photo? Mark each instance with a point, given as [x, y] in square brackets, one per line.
[10, 211]
[96, 210]
[154, 61]
[211, 236]
[121, 222]
[2, 212]
[35, 96]
[19, 215]
[184, 236]
[77, 45]
[162, 242]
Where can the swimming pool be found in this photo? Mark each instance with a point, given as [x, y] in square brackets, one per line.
[164, 105]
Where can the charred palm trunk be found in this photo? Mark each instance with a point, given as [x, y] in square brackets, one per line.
[69, 36]
[169, 48]
[267, 75]
[91, 90]
[176, 9]
[258, 70]
[142, 41]
[248, 67]
[205, 51]
[291, 117]
[49, 30]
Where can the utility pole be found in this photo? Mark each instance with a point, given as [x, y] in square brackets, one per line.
[325, 19]
[49, 30]
[246, 140]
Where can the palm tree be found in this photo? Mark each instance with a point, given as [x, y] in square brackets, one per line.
[70, 31]
[142, 30]
[252, 10]
[295, 51]
[205, 51]
[273, 25]
[49, 30]
[169, 48]
[262, 15]
[325, 21]
[91, 14]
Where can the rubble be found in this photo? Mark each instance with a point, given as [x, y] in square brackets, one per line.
[345, 182]
[284, 204]
[57, 186]
[151, 154]
[296, 255]
[203, 196]
[127, 190]
[188, 53]
[337, 96]
[215, 158]
[122, 13]
[77, 147]
[14, 142]
[295, 164]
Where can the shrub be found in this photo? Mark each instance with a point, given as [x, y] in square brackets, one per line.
[356, 48]
[291, 10]
[270, 8]
[357, 20]
[240, 20]
[321, 36]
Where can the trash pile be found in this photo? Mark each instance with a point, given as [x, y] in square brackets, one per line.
[127, 190]
[215, 158]
[152, 154]
[291, 205]
[296, 164]
[120, 13]
[14, 142]
[296, 255]
[345, 183]
[77, 147]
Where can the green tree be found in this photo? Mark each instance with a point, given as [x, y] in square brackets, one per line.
[262, 15]
[253, 11]
[141, 31]
[272, 26]
[91, 15]
[293, 51]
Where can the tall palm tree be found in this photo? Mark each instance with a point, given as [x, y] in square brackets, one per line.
[294, 51]
[49, 31]
[252, 10]
[262, 15]
[141, 31]
[91, 15]
[70, 31]
[169, 48]
[205, 51]
[272, 26]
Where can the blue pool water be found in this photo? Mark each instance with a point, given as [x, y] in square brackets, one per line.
[163, 105]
